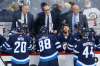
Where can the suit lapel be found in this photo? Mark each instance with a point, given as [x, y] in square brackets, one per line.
[71, 16]
[52, 16]
[43, 18]
[80, 18]
[19, 15]
[28, 18]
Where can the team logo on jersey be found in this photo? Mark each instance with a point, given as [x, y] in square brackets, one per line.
[20, 38]
[92, 15]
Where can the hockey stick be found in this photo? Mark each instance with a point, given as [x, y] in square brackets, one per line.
[2, 60]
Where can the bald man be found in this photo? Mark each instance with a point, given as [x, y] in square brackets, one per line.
[76, 20]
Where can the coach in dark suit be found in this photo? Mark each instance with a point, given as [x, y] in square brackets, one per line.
[23, 17]
[76, 20]
[47, 18]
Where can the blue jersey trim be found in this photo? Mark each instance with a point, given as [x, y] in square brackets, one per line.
[49, 58]
[78, 63]
[22, 61]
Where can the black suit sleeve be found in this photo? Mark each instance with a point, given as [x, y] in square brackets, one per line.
[2, 40]
[56, 18]
[36, 24]
[39, 22]
[31, 25]
[14, 21]
[85, 21]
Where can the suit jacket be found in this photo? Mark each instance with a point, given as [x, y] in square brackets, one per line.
[30, 19]
[82, 21]
[40, 21]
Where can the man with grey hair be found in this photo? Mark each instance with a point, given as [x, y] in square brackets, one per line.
[24, 18]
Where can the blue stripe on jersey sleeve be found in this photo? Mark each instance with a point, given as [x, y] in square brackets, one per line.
[49, 58]
[58, 45]
[22, 61]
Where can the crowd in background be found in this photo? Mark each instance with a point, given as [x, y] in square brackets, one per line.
[58, 16]
[59, 11]
[63, 23]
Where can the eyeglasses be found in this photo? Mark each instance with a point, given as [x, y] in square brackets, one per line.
[47, 10]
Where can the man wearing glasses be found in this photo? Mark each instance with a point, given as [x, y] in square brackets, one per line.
[48, 19]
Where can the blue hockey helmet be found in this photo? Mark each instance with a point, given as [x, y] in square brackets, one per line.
[88, 33]
[44, 30]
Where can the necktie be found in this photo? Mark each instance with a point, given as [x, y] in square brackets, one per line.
[24, 19]
[73, 24]
[25, 25]
[48, 23]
